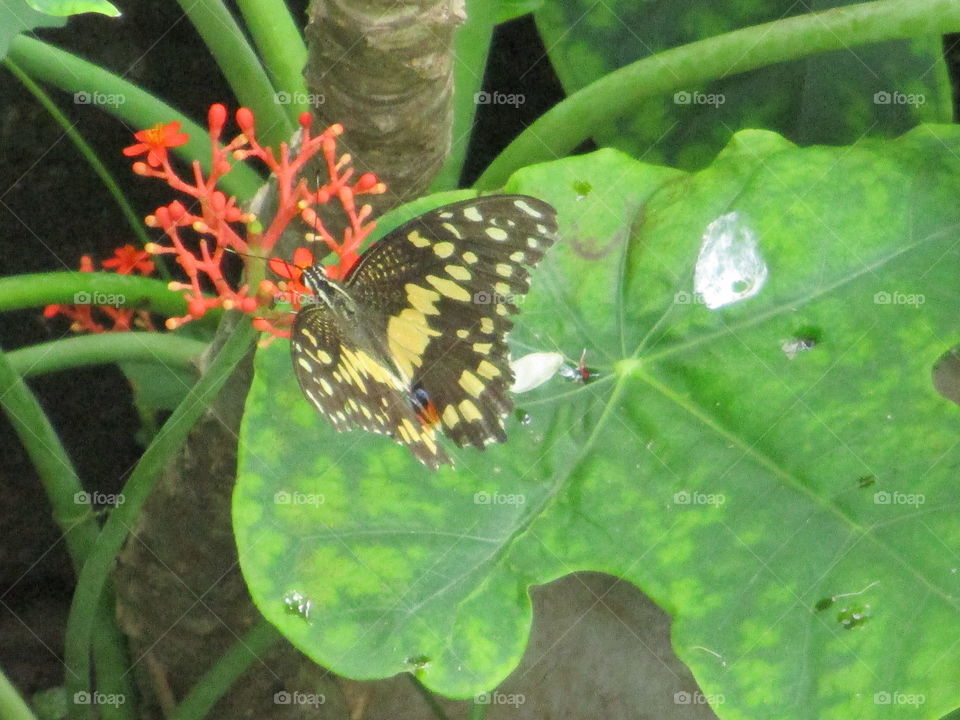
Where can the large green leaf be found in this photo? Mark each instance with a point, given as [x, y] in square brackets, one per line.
[836, 97]
[16, 16]
[768, 460]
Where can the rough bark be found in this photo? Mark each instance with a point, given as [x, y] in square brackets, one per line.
[385, 71]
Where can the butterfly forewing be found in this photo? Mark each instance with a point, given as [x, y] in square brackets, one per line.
[430, 309]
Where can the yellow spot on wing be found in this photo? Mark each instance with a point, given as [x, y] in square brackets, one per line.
[469, 411]
[444, 249]
[463, 334]
[458, 272]
[502, 288]
[408, 335]
[423, 299]
[486, 325]
[452, 229]
[450, 417]
[472, 214]
[470, 257]
[482, 348]
[504, 270]
[488, 369]
[471, 383]
[417, 239]
[449, 288]
[519, 256]
[525, 207]
[496, 233]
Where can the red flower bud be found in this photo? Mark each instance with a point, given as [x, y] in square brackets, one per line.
[216, 118]
[245, 121]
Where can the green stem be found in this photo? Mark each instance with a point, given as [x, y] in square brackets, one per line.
[96, 571]
[240, 65]
[278, 39]
[217, 680]
[75, 519]
[63, 288]
[125, 101]
[470, 48]
[572, 121]
[12, 706]
[428, 697]
[135, 221]
[478, 711]
[84, 350]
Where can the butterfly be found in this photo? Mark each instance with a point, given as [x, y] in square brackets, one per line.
[414, 337]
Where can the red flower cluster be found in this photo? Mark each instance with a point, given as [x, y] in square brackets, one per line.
[126, 261]
[223, 227]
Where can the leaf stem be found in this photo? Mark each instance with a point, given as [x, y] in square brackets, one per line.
[573, 120]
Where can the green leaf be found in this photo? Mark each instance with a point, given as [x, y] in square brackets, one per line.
[511, 9]
[882, 89]
[17, 17]
[718, 461]
[65, 8]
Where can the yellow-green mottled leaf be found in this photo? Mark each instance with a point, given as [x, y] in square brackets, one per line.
[762, 450]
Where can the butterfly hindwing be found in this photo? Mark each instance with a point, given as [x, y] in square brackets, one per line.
[351, 388]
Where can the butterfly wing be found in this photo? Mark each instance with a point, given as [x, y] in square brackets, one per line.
[343, 379]
[444, 286]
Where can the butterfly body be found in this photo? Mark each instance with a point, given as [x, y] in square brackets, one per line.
[415, 336]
